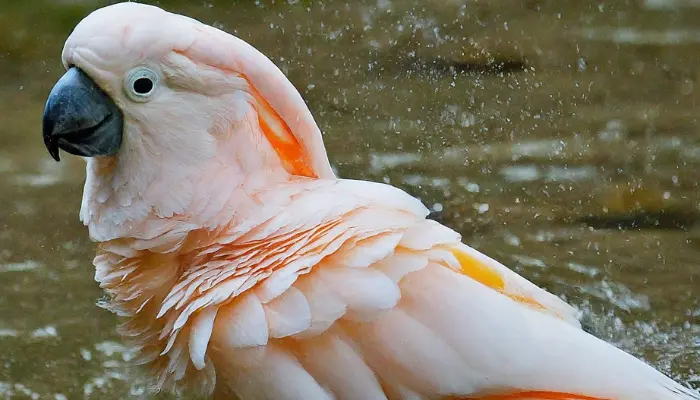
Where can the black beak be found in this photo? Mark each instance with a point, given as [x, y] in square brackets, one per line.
[81, 119]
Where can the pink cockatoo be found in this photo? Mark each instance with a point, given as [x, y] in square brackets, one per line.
[245, 269]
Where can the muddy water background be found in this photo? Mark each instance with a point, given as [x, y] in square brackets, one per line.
[560, 137]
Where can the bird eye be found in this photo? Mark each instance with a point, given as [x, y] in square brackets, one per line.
[140, 84]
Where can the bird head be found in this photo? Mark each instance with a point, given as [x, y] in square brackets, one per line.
[158, 102]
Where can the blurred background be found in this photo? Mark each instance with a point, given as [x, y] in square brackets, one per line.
[559, 137]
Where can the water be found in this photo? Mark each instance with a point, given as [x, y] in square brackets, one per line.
[558, 137]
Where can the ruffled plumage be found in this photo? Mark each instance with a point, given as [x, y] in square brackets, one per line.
[368, 299]
[246, 270]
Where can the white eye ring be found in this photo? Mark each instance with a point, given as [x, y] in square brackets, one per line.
[140, 84]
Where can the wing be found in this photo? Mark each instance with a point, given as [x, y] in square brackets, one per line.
[351, 294]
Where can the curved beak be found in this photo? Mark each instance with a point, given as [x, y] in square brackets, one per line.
[81, 119]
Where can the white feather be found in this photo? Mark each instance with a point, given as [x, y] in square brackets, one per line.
[324, 304]
[365, 291]
[398, 391]
[366, 251]
[427, 235]
[400, 349]
[221, 293]
[199, 336]
[284, 277]
[288, 314]
[401, 263]
[241, 324]
[269, 373]
[507, 345]
[339, 367]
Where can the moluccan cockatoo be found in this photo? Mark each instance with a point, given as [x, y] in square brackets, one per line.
[246, 270]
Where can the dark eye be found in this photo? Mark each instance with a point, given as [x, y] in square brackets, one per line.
[143, 86]
[140, 84]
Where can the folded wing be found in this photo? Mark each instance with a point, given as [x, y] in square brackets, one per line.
[364, 300]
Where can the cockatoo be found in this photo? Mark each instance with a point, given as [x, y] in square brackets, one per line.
[245, 269]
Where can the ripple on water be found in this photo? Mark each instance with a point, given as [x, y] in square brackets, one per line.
[421, 180]
[634, 36]
[530, 173]
[10, 390]
[109, 349]
[383, 161]
[528, 261]
[114, 361]
[7, 332]
[521, 173]
[23, 266]
[37, 180]
[45, 332]
[49, 174]
[587, 270]
[471, 187]
[617, 294]
[671, 5]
